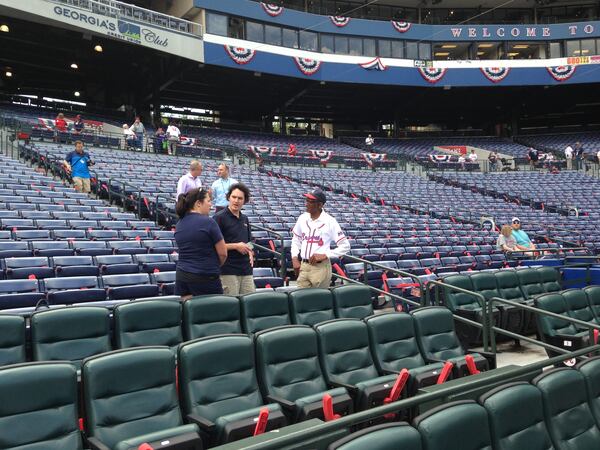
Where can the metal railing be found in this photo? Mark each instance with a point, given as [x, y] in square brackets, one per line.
[120, 10]
[511, 254]
[278, 254]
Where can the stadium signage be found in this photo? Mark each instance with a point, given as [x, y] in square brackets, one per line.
[86, 18]
[531, 31]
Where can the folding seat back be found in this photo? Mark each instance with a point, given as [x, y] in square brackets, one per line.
[12, 340]
[74, 266]
[39, 407]
[531, 283]
[485, 284]
[549, 278]
[551, 326]
[593, 295]
[579, 307]
[287, 363]
[70, 334]
[69, 290]
[390, 436]
[311, 306]
[516, 417]
[434, 326]
[569, 417]
[224, 393]
[148, 322]
[209, 315]
[590, 369]
[165, 282]
[19, 293]
[352, 301]
[451, 427]
[30, 267]
[509, 286]
[263, 310]
[456, 300]
[129, 286]
[139, 405]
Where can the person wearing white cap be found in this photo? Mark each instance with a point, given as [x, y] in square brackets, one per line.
[313, 235]
[523, 241]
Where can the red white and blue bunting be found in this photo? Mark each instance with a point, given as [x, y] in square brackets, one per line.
[239, 54]
[262, 150]
[439, 158]
[184, 140]
[272, 10]
[307, 66]
[401, 26]
[432, 74]
[323, 155]
[374, 64]
[561, 73]
[370, 158]
[495, 74]
[339, 21]
[46, 123]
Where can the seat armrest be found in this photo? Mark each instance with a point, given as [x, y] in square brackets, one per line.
[435, 360]
[286, 404]
[350, 388]
[491, 357]
[203, 423]
[96, 444]
[390, 372]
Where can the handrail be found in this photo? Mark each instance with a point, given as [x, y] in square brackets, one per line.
[545, 250]
[281, 254]
[114, 8]
[443, 392]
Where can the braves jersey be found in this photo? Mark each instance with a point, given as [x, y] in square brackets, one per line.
[316, 236]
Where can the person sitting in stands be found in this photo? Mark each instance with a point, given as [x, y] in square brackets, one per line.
[522, 239]
[506, 242]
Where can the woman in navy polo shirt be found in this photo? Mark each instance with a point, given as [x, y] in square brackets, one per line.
[202, 250]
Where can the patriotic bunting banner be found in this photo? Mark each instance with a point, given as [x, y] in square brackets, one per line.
[323, 155]
[307, 66]
[401, 26]
[561, 73]
[239, 54]
[46, 123]
[370, 158]
[432, 74]
[49, 123]
[340, 21]
[375, 64]
[184, 140]
[439, 158]
[495, 74]
[262, 150]
[272, 10]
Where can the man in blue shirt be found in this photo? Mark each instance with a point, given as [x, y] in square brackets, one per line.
[522, 239]
[77, 164]
[221, 186]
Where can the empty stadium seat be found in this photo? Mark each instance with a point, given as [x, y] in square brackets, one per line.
[129, 286]
[593, 295]
[550, 279]
[579, 307]
[223, 397]
[311, 306]
[531, 282]
[39, 407]
[69, 290]
[209, 315]
[70, 334]
[151, 263]
[569, 417]
[289, 373]
[12, 339]
[19, 293]
[139, 405]
[590, 369]
[263, 310]
[148, 322]
[116, 264]
[74, 266]
[352, 301]
[32, 267]
[390, 436]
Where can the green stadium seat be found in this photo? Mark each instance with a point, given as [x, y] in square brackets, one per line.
[509, 286]
[70, 334]
[461, 425]
[590, 369]
[39, 407]
[12, 339]
[568, 414]
[434, 326]
[130, 398]
[222, 396]
[208, 315]
[516, 417]
[289, 373]
[579, 307]
[263, 310]
[394, 347]
[346, 360]
[352, 301]
[593, 295]
[311, 306]
[531, 282]
[550, 279]
[485, 284]
[390, 436]
[148, 322]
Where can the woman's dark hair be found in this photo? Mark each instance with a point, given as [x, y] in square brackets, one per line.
[241, 187]
[185, 202]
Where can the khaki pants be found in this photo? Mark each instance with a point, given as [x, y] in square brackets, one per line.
[238, 284]
[82, 184]
[317, 276]
[569, 163]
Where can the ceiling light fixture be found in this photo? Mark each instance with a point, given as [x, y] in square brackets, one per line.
[441, 53]
[74, 66]
[4, 28]
[8, 74]
[449, 46]
[486, 45]
[76, 93]
[98, 48]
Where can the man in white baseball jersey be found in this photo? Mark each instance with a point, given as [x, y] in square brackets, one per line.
[313, 235]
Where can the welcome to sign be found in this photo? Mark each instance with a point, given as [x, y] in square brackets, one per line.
[512, 32]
